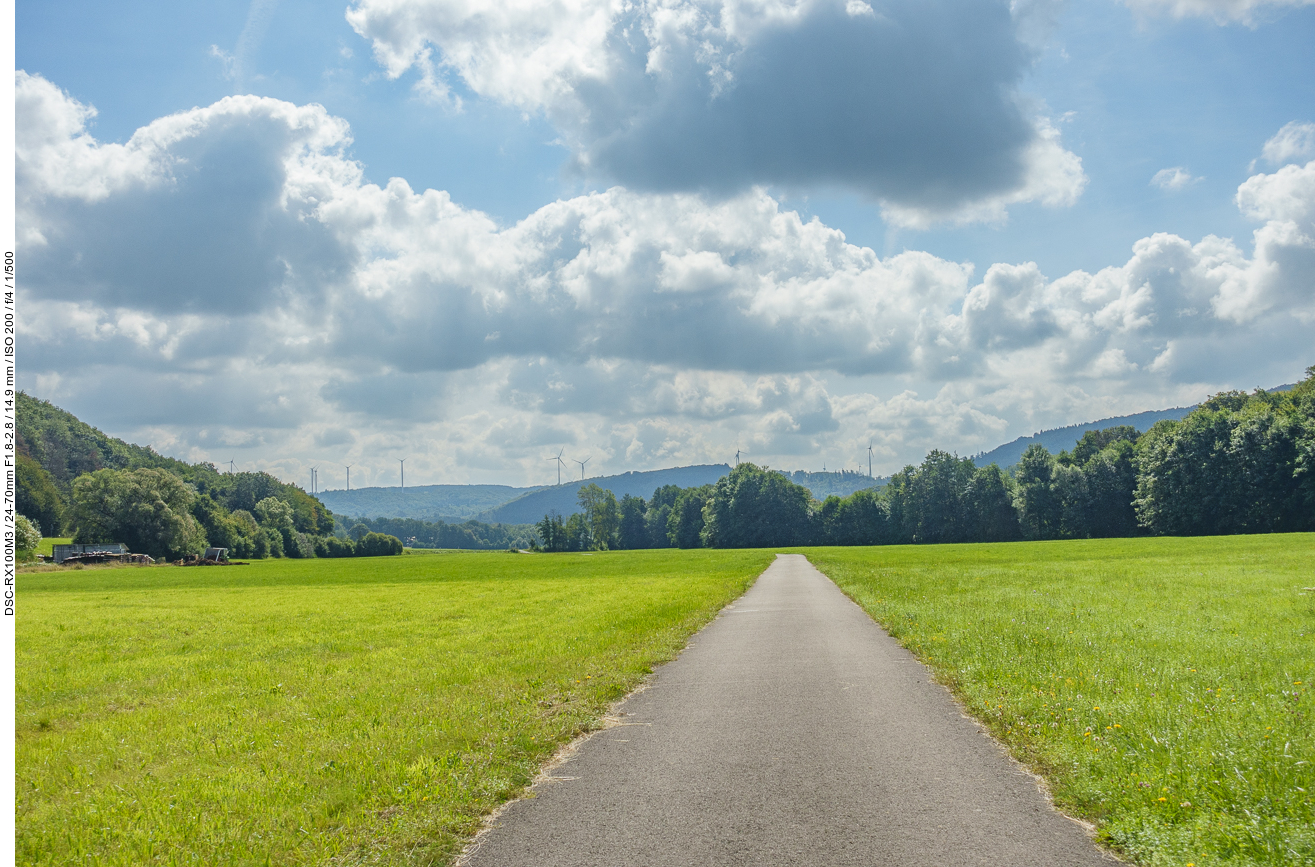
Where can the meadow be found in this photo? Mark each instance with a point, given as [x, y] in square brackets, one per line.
[1161, 686]
[363, 711]
[371, 711]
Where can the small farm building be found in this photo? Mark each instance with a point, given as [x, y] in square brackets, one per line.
[63, 552]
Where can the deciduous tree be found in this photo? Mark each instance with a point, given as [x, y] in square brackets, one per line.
[632, 532]
[753, 507]
[148, 510]
[685, 523]
[36, 495]
[602, 514]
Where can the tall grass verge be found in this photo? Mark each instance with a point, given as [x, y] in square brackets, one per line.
[1161, 686]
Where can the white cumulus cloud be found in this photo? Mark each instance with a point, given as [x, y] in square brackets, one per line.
[915, 106]
[233, 263]
[1294, 141]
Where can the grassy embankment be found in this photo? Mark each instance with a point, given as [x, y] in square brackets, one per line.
[1162, 686]
[325, 711]
[47, 545]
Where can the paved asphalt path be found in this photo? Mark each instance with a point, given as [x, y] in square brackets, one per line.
[792, 730]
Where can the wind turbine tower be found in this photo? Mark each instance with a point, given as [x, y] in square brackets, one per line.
[402, 461]
[869, 460]
[349, 477]
[582, 463]
[559, 461]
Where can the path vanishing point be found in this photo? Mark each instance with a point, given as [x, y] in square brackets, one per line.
[792, 731]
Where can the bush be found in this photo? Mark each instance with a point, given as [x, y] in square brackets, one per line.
[26, 535]
[302, 547]
[273, 541]
[378, 545]
[335, 547]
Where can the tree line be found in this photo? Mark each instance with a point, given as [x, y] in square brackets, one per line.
[468, 535]
[155, 512]
[1239, 463]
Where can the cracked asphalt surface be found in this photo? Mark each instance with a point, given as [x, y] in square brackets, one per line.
[792, 731]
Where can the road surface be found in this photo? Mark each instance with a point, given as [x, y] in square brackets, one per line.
[792, 731]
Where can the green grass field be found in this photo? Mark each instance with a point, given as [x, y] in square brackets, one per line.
[1162, 686]
[370, 711]
[325, 711]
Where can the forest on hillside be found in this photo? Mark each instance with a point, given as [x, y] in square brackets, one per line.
[74, 479]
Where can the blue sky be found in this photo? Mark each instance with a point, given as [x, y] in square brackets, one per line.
[656, 233]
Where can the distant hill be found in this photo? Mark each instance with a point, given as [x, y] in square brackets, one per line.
[55, 447]
[1064, 438]
[503, 504]
[841, 484]
[450, 503]
[532, 506]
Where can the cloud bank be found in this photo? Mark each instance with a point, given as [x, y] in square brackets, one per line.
[1221, 11]
[234, 265]
[913, 103]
